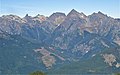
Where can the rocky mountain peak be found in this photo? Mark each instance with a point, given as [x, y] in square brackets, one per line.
[10, 17]
[13, 18]
[74, 13]
[58, 14]
[26, 15]
[99, 15]
[28, 18]
[40, 18]
[57, 18]
[99, 12]
[38, 15]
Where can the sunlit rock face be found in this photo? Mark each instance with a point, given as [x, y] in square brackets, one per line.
[57, 18]
[64, 31]
[40, 18]
[11, 24]
[60, 38]
[109, 58]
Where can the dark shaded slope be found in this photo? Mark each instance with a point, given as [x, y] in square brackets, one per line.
[95, 65]
[17, 56]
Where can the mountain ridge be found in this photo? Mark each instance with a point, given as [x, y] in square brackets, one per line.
[56, 40]
[59, 12]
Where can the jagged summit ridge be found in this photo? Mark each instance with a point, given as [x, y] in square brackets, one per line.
[74, 13]
[43, 43]
[97, 23]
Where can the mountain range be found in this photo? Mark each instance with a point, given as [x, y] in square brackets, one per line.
[60, 44]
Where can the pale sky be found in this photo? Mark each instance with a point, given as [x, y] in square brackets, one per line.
[47, 7]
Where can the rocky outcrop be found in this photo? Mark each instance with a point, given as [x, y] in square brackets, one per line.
[109, 58]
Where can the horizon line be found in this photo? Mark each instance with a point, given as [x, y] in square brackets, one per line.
[48, 15]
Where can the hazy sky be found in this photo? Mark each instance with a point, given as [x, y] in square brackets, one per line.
[47, 7]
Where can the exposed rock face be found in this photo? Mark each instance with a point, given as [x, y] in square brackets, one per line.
[74, 13]
[76, 31]
[62, 30]
[48, 58]
[40, 18]
[118, 65]
[109, 58]
[48, 61]
[57, 18]
[11, 24]
[64, 38]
